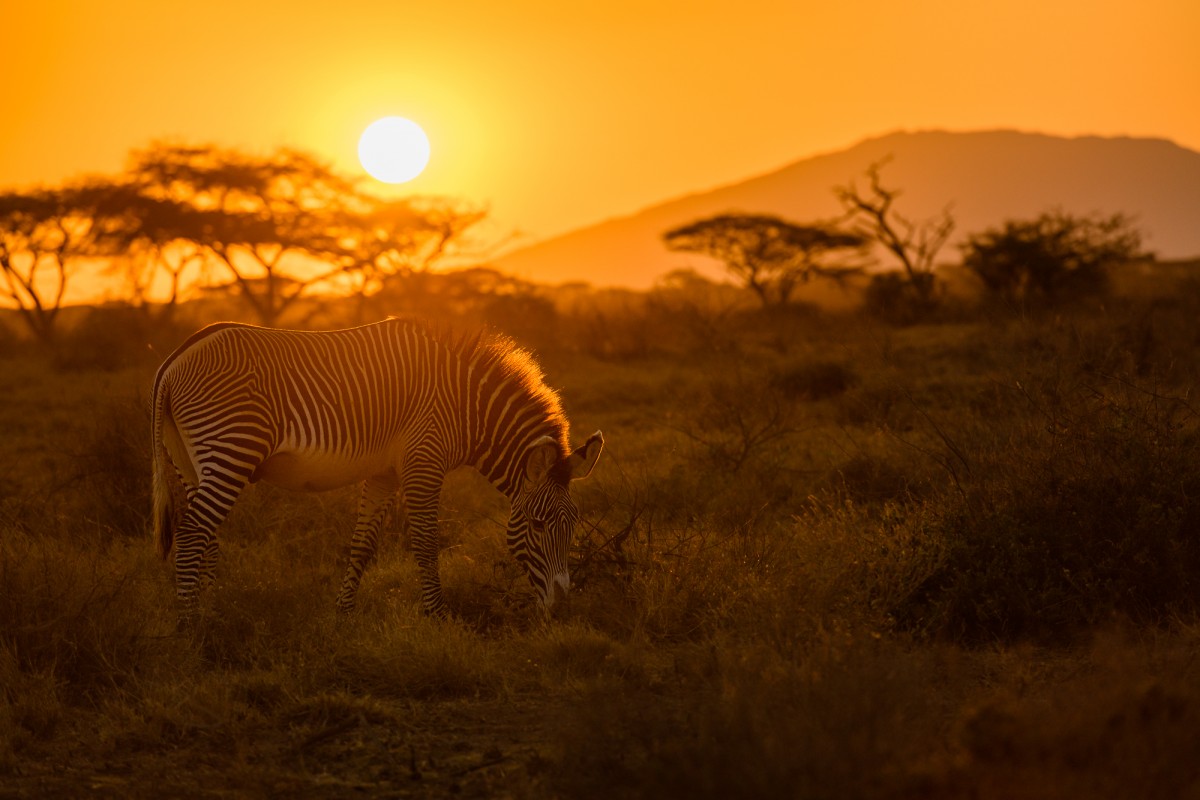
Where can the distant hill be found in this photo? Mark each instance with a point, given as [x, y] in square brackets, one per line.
[988, 177]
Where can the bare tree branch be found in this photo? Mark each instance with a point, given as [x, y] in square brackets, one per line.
[915, 245]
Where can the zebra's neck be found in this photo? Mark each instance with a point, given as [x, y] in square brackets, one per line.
[506, 415]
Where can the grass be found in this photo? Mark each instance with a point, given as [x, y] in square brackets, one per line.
[821, 557]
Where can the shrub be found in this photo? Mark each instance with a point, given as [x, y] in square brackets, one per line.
[816, 380]
[742, 417]
[1054, 258]
[526, 316]
[1093, 514]
[74, 611]
[108, 338]
[111, 467]
[409, 658]
[865, 479]
[901, 300]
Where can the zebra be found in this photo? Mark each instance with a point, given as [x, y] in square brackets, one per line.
[394, 405]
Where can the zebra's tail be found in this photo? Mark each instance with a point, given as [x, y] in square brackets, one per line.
[163, 515]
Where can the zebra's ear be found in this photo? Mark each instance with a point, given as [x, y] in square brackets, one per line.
[584, 459]
[539, 458]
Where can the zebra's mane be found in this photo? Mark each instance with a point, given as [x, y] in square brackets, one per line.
[512, 363]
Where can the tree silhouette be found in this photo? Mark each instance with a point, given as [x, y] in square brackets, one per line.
[769, 255]
[154, 237]
[45, 235]
[915, 245]
[1053, 258]
[282, 225]
[273, 228]
[271, 222]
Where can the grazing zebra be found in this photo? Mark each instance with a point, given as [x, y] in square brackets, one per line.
[394, 405]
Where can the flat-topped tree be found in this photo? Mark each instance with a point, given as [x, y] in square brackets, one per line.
[272, 222]
[46, 235]
[285, 223]
[771, 256]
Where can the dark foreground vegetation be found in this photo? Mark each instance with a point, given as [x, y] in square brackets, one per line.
[824, 557]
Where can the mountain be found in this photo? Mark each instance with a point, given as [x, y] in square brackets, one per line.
[986, 178]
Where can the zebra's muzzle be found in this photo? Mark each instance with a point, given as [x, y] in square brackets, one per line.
[557, 592]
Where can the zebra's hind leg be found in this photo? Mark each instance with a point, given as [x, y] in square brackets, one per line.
[196, 543]
[373, 504]
[212, 551]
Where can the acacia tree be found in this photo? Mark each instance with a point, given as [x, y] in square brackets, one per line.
[274, 227]
[771, 256]
[284, 224]
[1052, 258]
[272, 223]
[45, 236]
[914, 244]
[153, 240]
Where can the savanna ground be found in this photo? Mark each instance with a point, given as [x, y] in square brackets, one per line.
[821, 557]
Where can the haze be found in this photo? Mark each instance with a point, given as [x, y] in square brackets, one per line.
[557, 116]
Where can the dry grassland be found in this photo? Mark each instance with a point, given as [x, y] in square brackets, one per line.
[822, 557]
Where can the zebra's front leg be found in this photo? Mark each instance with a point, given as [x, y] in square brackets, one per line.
[373, 504]
[424, 528]
[208, 566]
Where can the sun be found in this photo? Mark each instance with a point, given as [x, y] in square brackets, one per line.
[393, 149]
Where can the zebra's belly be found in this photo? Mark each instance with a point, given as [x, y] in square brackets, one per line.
[312, 471]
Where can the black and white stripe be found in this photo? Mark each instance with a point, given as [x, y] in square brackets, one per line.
[394, 405]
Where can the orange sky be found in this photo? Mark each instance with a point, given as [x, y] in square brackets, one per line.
[558, 117]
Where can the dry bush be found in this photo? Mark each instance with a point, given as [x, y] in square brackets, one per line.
[573, 654]
[31, 711]
[110, 468]
[609, 325]
[110, 338]
[741, 417]
[813, 380]
[196, 710]
[1121, 727]
[407, 656]
[864, 478]
[881, 405]
[83, 621]
[1091, 512]
[80, 611]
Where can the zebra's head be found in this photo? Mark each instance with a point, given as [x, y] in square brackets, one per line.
[544, 516]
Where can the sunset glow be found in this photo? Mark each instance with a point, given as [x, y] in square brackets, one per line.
[558, 118]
